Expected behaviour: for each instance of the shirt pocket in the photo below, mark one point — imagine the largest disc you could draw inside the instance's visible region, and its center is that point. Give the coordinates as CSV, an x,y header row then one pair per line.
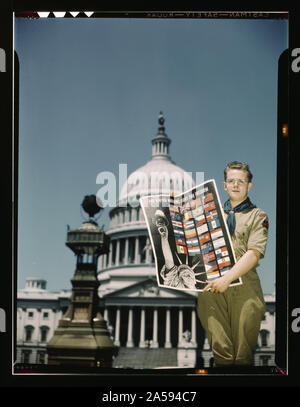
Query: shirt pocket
x,y
242,234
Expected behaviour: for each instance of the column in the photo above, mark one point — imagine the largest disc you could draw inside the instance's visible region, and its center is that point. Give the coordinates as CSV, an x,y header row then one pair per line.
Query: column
x,y
155,326
117,328
21,315
126,211
129,343
137,258
148,251
38,325
110,254
133,214
193,328
112,222
168,329
105,316
180,326
117,253
142,343
100,262
126,250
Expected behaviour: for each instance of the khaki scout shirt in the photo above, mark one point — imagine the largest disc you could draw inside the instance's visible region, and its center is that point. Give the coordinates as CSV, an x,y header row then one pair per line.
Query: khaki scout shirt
x,y
251,232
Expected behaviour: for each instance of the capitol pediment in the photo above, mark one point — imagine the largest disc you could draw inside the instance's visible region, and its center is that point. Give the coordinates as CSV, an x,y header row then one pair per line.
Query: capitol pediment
x,y
147,289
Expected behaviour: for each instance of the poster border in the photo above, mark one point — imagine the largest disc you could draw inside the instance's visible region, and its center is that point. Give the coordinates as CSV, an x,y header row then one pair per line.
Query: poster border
x,y
193,188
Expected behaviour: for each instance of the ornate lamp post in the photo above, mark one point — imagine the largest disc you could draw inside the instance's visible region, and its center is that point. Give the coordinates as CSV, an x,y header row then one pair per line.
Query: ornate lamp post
x,y
82,337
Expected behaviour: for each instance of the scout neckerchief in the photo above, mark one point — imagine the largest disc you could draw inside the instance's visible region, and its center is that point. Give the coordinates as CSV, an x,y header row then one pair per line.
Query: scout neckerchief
x,y
246,204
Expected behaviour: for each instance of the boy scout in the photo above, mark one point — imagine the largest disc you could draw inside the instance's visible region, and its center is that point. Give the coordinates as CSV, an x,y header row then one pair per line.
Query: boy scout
x,y
231,316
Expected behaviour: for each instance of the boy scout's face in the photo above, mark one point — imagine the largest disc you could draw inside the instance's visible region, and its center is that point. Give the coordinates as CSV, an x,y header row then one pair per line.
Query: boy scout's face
x,y
237,185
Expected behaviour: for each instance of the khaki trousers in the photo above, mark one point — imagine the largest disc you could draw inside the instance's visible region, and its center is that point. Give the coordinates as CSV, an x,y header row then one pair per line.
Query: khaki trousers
x,y
232,320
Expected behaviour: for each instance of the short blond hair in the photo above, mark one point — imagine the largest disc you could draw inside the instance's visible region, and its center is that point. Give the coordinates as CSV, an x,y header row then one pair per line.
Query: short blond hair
x,y
237,165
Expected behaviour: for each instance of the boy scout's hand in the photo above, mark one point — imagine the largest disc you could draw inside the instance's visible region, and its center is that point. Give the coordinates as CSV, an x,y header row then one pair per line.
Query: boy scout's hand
x,y
218,286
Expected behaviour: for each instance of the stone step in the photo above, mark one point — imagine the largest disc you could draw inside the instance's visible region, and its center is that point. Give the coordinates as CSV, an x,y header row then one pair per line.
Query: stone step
x,y
140,358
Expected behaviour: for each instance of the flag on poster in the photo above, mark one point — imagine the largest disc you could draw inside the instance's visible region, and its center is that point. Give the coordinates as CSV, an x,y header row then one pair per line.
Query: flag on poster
x,y
180,241
188,215
221,252
189,225
200,220
215,234
204,238
192,241
208,257
178,232
177,224
198,211
207,247
193,250
195,203
219,243
202,229
181,249
213,275
207,197
211,266
211,215
209,206
224,262
214,224
190,233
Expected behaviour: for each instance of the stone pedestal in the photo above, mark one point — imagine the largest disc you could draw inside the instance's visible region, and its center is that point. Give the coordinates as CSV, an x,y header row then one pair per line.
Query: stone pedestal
x,y
81,343
186,356
82,337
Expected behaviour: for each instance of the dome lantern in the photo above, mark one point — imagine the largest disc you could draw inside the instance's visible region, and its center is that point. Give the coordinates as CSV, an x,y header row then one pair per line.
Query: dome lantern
x,y
161,142
159,170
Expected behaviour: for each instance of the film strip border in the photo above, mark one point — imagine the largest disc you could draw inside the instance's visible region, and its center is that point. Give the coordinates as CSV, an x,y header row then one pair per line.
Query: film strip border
x,y
155,14
55,14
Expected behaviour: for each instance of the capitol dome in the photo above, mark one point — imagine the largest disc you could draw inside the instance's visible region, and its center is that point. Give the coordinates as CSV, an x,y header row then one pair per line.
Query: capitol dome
x,y
130,258
159,175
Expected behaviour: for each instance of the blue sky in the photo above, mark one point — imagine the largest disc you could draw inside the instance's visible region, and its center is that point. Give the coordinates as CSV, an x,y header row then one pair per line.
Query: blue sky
x,y
90,95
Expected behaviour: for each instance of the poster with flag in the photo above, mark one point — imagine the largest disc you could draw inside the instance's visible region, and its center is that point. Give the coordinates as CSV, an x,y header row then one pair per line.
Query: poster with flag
x,y
189,236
